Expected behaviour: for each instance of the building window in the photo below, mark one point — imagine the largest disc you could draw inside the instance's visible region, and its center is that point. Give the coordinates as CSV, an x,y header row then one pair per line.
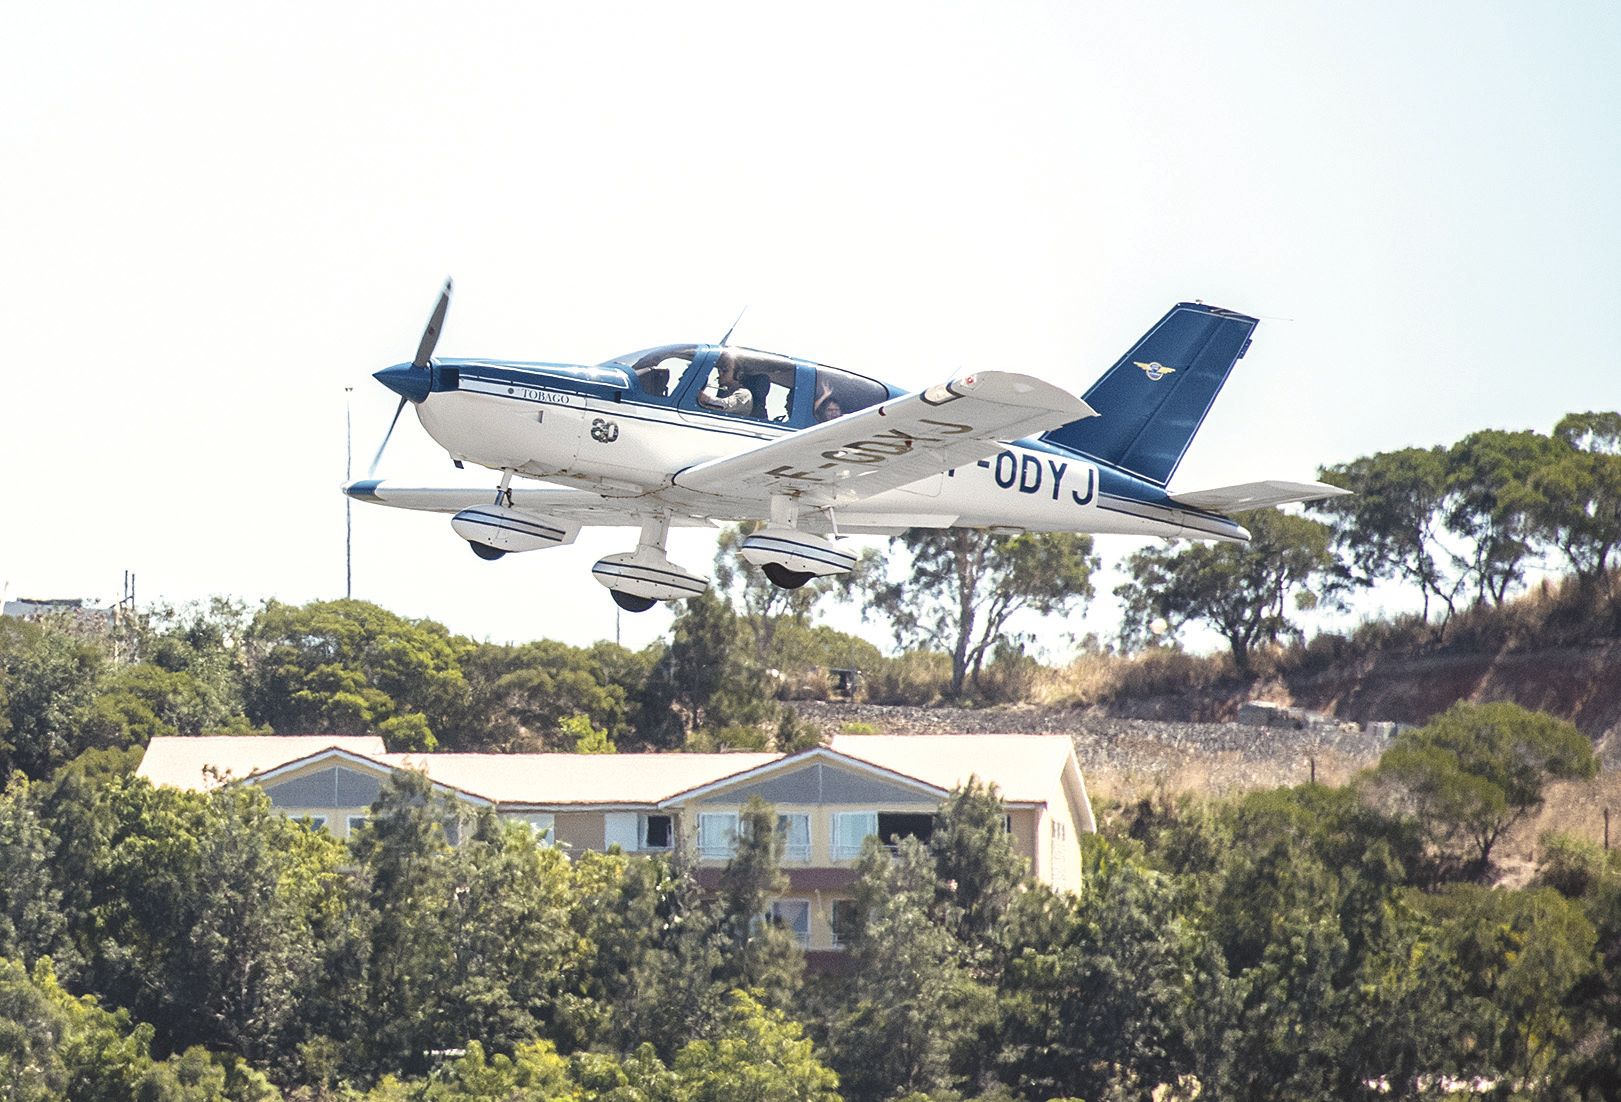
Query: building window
x,y
1007,824
796,837
893,826
850,830
542,824
717,834
355,823
657,832
843,922
1060,831
315,822
792,915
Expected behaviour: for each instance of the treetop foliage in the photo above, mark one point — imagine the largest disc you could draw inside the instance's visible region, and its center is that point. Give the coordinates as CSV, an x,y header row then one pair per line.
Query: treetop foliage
x,y
179,945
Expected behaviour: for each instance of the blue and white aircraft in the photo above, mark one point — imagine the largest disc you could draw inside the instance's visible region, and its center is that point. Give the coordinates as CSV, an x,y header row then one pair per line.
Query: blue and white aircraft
x,y
704,434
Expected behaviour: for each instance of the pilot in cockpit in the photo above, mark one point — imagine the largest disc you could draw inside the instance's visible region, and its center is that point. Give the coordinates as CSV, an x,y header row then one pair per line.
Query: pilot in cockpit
x,y
726,394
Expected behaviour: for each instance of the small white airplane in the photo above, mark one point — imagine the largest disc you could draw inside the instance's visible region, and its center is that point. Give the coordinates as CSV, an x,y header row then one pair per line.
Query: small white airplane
x,y
702,434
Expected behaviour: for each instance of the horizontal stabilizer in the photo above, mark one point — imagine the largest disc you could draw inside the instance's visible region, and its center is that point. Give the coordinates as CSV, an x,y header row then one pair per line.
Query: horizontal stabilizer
x,y
1255,495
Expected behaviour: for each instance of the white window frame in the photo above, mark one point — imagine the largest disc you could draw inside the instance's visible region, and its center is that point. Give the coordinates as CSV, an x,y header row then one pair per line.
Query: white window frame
x,y
717,846
622,829
353,823
317,822
844,850
797,852
641,836
774,912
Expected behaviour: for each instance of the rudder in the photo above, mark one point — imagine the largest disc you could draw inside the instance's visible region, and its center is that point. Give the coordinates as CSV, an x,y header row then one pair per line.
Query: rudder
x,y
1152,402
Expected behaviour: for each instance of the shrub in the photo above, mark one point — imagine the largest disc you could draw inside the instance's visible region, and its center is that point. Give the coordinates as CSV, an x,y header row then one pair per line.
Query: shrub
x,y
915,678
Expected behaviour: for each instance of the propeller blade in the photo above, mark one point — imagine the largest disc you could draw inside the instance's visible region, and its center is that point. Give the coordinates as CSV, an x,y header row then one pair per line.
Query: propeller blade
x,y
430,335
378,458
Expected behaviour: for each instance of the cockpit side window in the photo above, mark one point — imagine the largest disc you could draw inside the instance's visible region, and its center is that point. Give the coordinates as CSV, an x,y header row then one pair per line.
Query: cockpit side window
x,y
754,385
839,392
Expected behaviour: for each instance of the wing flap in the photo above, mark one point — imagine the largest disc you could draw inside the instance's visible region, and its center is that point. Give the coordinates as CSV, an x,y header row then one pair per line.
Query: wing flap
x,y
890,445
1255,495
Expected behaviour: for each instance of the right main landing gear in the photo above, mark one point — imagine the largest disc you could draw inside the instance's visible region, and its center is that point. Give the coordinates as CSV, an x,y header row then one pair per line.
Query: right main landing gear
x,y
641,578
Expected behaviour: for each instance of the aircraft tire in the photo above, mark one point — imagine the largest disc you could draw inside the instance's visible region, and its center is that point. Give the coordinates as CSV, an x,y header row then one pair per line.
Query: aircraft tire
x,y
783,578
485,551
632,603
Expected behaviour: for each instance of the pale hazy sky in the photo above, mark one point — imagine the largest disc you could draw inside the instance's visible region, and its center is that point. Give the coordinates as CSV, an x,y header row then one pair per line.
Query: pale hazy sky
x,y
213,218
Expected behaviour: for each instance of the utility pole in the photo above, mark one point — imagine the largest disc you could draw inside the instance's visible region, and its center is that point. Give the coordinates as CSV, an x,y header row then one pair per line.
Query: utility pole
x,y
348,502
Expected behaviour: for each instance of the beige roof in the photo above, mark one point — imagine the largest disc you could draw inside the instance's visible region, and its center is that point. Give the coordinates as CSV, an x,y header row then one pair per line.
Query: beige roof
x,y
206,761
1026,768
578,778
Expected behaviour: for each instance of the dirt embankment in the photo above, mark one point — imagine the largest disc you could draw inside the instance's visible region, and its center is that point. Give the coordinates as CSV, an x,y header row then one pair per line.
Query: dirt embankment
x,y
1124,756
1189,742
1581,684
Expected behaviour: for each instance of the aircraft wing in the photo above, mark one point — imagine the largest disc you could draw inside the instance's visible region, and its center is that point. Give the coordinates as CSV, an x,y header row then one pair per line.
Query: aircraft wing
x,y
890,445
570,508
1255,495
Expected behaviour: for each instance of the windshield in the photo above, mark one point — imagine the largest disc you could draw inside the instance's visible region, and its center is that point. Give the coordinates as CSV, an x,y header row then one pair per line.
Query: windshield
x,y
655,367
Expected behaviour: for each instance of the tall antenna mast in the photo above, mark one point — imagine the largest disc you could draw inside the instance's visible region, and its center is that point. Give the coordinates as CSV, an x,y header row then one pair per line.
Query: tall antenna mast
x,y
348,502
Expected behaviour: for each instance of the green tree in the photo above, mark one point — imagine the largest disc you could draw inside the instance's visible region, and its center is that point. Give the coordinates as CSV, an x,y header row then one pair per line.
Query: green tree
x,y
53,1046
507,950
48,682
709,680
1521,956
1120,986
756,1055
912,1007
1487,508
533,1073
977,866
1389,527
201,646
32,921
406,884
649,973
520,697
197,910
963,586
756,954
349,667
1572,499
1243,591
1477,769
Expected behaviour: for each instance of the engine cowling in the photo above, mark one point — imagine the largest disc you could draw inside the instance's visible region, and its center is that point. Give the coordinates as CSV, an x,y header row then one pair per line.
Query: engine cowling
x,y
646,574
796,552
502,529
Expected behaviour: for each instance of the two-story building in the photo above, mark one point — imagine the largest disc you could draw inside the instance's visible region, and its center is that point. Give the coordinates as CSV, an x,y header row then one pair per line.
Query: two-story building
x,y
828,800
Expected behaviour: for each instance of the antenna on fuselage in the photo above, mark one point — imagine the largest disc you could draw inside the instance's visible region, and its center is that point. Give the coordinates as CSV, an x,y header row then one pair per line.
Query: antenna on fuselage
x,y
727,338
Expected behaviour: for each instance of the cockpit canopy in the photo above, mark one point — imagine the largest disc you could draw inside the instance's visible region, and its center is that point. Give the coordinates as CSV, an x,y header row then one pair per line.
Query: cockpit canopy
x,y
782,390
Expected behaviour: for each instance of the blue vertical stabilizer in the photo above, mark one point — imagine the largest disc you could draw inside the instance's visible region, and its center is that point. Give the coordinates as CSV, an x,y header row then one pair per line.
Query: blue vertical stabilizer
x,y
1152,402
